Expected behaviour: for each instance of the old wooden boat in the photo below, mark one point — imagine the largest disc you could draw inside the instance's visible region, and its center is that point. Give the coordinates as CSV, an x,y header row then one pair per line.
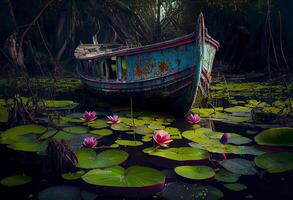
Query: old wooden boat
x,y
169,74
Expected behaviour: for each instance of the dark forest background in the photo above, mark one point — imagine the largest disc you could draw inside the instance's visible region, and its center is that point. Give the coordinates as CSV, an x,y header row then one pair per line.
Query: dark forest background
x,y
40,36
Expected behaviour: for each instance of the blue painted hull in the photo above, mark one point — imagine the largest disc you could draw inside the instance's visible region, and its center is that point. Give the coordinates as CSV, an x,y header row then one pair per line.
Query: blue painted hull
x,y
168,74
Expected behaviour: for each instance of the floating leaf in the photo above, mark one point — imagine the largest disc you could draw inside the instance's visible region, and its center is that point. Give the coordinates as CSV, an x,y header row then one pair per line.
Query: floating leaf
x,y
131,143
98,124
195,172
48,134
58,103
17,180
102,132
89,159
3,114
275,162
276,137
235,186
121,127
189,191
179,154
143,130
61,135
117,176
226,148
29,145
76,129
226,176
239,166
73,175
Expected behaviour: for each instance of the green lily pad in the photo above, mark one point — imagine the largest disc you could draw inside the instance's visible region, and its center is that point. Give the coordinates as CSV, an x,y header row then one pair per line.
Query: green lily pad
x,y
226,176
117,176
57,103
98,124
131,143
189,191
239,166
76,129
102,132
143,130
179,154
3,114
29,145
73,176
48,134
235,186
238,109
275,162
61,135
17,133
121,127
89,159
195,172
17,180
276,137
226,148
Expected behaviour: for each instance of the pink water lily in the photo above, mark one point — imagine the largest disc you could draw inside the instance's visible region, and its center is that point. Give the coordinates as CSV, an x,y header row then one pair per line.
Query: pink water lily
x,y
193,119
89,116
222,157
90,142
114,119
224,139
162,138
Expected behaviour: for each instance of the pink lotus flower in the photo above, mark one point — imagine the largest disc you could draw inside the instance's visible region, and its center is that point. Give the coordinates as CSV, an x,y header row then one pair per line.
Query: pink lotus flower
x,y
162,138
113,119
90,142
224,138
193,119
89,116
222,157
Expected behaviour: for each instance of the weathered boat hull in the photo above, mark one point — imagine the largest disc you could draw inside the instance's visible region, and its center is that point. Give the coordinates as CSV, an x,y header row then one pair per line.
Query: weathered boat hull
x,y
166,74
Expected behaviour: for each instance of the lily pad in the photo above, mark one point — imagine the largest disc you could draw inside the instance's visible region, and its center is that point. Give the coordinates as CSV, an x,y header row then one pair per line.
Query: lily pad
x,y
239,166
121,127
76,129
275,162
189,191
131,182
235,186
29,145
131,143
195,172
179,154
276,137
98,124
3,114
226,176
89,159
58,104
17,180
102,132
73,176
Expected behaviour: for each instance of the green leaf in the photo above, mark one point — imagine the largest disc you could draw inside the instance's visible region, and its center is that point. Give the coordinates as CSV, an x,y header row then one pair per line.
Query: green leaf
x,y
102,132
76,129
121,127
89,159
117,176
190,191
276,137
98,124
17,180
275,162
178,154
73,176
3,114
226,176
239,166
235,186
128,143
195,172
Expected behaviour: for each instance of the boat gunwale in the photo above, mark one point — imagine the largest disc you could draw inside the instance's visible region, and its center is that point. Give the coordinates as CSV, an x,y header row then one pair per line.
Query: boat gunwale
x,y
135,81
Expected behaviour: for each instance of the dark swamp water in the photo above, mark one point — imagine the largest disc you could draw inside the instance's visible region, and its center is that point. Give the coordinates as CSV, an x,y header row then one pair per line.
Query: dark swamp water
x,y
238,104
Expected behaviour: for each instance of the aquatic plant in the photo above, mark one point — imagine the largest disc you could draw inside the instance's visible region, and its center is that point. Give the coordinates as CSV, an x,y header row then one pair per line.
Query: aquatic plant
x,y
89,116
90,142
114,119
222,157
224,139
162,138
193,118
